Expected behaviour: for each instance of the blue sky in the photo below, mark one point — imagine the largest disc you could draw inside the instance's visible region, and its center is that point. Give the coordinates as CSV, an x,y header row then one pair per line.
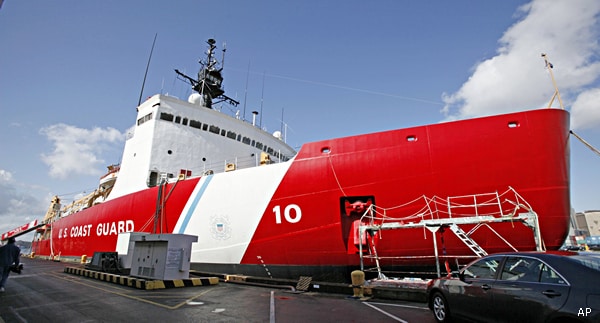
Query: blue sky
x,y
71,73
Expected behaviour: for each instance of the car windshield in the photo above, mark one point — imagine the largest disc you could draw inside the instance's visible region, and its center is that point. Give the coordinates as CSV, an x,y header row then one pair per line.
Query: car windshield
x,y
588,260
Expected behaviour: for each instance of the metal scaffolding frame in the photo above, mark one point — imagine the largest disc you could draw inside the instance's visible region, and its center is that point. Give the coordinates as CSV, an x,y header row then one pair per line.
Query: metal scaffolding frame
x,y
528,218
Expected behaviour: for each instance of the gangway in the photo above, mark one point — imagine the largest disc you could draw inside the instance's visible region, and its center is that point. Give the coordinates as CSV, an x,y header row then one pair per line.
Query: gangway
x,y
431,220
464,237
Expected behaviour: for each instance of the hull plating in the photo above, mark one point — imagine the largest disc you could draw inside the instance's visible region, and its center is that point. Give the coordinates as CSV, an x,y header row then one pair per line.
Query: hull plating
x,y
293,214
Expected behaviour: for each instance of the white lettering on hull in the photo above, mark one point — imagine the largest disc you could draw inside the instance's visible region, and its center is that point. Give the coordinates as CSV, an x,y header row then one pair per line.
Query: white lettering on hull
x,y
102,229
114,228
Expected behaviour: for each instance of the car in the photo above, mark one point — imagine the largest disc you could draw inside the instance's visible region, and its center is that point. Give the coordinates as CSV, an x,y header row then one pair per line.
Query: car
x,y
558,286
573,248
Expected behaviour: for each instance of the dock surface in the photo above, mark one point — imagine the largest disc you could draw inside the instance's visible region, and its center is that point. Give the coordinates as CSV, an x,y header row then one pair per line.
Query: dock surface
x,y
44,292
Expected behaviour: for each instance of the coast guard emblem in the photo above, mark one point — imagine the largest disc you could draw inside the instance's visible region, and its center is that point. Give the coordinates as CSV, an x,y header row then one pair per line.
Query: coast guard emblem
x,y
220,228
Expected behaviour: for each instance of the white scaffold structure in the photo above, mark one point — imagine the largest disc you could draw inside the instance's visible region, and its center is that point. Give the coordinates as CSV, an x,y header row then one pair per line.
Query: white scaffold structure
x,y
486,208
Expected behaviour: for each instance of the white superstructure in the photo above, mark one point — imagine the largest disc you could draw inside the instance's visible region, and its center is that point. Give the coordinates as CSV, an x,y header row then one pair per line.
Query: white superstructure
x,y
175,139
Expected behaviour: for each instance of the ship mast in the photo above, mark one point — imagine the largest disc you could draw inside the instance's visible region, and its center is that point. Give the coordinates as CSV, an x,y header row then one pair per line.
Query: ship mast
x,y
209,81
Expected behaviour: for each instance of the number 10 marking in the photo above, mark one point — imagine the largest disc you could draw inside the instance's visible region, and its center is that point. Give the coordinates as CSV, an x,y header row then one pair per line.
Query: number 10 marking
x,y
287,213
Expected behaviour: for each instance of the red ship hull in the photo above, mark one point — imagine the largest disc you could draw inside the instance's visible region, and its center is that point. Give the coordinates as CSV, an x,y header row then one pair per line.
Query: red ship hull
x,y
528,151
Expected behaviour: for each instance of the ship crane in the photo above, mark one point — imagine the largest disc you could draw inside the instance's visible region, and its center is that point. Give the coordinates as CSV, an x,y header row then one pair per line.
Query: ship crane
x,y
209,81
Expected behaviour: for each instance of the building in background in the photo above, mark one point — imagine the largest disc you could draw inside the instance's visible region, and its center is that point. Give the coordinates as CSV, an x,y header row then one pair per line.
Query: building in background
x,y
585,229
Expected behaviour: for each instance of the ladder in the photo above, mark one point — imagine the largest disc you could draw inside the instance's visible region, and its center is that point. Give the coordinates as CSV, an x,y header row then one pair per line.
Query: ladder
x,y
462,235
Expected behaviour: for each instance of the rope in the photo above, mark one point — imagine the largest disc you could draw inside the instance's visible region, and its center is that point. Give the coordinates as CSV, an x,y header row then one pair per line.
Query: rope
x,y
150,221
164,218
592,148
158,207
161,206
335,176
501,204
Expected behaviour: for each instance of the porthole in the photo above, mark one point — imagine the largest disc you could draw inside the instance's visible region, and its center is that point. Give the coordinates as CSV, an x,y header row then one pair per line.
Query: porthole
x,y
411,138
325,150
513,124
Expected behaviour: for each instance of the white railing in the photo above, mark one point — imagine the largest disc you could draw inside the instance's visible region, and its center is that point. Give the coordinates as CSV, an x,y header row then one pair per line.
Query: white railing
x,y
433,213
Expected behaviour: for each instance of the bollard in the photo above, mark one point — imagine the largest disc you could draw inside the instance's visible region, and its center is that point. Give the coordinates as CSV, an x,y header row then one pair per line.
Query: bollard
x,y
83,259
358,282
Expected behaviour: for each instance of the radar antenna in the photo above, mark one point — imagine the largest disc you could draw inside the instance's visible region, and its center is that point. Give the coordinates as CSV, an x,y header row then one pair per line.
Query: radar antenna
x,y
209,82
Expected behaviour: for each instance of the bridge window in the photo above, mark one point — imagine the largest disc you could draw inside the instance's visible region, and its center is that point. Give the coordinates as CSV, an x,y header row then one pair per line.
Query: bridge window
x,y
166,116
195,124
144,118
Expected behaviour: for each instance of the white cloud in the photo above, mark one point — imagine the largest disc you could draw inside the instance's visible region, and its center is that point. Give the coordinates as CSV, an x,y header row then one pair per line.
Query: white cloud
x,y
7,191
515,79
78,150
17,206
5,176
586,110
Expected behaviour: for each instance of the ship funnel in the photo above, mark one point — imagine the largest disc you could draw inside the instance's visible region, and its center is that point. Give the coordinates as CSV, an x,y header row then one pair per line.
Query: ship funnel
x,y
254,114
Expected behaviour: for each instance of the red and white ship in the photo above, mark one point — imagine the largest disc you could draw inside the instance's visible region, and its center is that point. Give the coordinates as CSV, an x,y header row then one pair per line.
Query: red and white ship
x,y
375,200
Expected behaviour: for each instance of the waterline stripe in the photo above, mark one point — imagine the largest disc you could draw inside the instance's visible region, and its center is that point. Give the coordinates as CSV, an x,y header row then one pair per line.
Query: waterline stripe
x,y
192,208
